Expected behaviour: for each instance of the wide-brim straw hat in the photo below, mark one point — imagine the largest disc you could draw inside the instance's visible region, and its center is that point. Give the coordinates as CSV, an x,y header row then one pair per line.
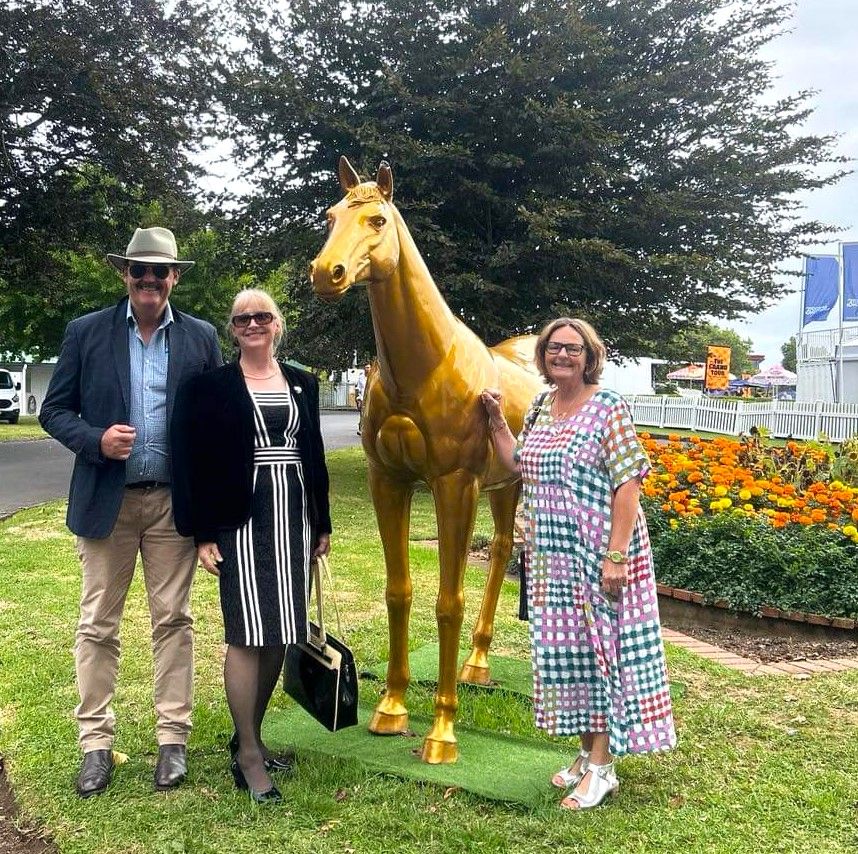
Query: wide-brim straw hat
x,y
150,246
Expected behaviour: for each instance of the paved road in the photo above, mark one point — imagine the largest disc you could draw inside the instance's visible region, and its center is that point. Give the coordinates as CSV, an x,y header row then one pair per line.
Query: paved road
x,y
38,471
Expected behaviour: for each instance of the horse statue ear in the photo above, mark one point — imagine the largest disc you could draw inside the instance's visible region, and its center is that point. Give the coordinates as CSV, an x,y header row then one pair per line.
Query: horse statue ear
x,y
348,177
384,180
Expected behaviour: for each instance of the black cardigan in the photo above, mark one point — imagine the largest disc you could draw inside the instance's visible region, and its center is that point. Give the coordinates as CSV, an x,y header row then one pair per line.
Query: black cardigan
x,y
212,452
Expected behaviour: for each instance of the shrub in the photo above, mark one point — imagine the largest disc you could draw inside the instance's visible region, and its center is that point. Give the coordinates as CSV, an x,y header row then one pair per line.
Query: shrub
x,y
749,563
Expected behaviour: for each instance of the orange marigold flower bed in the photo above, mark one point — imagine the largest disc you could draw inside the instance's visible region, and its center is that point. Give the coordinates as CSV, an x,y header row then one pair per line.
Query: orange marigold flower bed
x,y
781,486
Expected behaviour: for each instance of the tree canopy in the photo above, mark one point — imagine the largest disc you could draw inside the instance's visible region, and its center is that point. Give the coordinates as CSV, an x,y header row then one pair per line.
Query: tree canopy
x,y
616,161
788,350
98,102
611,160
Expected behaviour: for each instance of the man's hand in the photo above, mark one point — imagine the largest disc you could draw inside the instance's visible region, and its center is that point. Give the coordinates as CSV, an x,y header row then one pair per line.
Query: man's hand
x,y
117,441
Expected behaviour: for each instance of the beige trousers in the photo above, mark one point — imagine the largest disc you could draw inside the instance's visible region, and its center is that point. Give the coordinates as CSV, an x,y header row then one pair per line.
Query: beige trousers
x,y
145,525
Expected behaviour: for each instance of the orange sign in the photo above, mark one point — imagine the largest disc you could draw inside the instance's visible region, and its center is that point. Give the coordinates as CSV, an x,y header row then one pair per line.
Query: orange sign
x,y
717,367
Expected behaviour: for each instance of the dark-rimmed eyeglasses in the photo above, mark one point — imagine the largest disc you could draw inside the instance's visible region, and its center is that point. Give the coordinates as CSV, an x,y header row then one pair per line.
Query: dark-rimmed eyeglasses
x,y
262,318
555,347
159,271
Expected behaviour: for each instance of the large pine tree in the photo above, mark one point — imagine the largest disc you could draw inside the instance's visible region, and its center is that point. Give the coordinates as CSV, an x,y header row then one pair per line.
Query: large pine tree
x,y
616,160
100,107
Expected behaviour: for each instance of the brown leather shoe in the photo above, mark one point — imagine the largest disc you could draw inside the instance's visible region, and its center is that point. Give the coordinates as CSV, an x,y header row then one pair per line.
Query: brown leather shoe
x,y
172,766
95,773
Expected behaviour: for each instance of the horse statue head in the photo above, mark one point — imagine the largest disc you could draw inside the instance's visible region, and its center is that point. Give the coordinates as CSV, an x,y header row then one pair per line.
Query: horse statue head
x,y
362,245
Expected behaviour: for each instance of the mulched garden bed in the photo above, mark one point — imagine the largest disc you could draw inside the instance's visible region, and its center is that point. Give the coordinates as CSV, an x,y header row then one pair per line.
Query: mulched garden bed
x,y
769,649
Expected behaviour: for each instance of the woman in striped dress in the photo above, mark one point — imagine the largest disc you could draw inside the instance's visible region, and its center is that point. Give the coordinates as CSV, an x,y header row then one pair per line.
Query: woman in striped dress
x,y
253,491
598,660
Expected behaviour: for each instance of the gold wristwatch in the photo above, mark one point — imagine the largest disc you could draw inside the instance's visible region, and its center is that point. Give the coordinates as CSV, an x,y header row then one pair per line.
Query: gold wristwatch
x,y
616,556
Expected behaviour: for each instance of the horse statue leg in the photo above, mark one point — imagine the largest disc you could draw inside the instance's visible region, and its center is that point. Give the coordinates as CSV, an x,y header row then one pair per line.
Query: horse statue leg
x,y
392,501
456,497
503,503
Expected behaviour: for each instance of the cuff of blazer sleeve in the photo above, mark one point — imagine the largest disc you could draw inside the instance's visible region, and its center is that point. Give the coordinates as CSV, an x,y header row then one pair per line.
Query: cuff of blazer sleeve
x,y
92,446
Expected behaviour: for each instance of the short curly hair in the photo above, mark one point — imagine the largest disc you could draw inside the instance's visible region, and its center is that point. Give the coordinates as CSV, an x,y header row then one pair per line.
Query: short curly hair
x,y
596,352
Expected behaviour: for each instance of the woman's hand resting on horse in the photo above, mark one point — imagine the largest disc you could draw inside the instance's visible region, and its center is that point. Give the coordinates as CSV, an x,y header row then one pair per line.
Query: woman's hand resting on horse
x,y
491,400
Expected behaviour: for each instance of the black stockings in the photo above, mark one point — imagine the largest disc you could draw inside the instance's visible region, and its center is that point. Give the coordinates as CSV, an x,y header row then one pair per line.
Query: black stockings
x,y
250,675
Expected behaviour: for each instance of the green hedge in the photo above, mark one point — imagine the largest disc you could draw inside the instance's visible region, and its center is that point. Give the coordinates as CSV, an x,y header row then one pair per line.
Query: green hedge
x,y
750,564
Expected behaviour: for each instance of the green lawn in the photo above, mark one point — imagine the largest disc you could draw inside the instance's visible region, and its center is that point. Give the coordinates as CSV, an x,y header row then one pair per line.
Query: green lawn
x,y
26,428
765,765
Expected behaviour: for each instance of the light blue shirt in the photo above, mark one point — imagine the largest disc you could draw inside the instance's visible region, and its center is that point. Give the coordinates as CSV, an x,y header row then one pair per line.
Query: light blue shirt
x,y
150,456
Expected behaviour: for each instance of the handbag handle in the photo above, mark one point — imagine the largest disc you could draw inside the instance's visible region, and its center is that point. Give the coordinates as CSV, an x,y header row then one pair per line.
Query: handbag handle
x,y
317,580
320,565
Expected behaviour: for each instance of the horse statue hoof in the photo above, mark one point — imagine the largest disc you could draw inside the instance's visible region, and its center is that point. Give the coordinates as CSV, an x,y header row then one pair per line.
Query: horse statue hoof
x,y
383,723
436,752
475,671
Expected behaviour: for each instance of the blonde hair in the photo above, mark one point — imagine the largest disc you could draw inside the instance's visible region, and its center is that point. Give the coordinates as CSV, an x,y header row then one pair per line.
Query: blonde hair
x,y
595,347
254,296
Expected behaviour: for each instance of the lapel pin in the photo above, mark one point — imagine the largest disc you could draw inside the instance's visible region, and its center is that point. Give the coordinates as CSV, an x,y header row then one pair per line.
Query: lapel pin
x,y
297,389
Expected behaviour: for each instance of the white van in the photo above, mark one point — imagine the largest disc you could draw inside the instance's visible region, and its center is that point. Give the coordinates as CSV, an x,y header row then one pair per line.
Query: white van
x,y
10,398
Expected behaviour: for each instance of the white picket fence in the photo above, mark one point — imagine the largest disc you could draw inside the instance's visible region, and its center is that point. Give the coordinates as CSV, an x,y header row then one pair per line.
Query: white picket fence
x,y
784,419
336,395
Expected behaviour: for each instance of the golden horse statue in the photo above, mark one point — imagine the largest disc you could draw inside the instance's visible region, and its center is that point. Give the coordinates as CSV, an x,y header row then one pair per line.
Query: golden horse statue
x,y
423,420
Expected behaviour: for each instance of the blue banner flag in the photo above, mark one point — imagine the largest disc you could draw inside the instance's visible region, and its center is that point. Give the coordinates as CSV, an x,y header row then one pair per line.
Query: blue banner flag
x,y
850,281
821,286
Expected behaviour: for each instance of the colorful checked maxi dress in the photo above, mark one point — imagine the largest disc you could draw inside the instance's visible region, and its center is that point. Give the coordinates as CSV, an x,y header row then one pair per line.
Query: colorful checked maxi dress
x,y
598,665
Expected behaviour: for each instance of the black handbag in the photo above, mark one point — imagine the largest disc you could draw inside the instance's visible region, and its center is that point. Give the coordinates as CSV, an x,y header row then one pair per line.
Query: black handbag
x,y
320,674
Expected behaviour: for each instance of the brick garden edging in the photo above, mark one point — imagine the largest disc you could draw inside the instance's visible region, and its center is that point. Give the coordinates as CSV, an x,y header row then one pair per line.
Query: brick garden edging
x,y
798,669
775,613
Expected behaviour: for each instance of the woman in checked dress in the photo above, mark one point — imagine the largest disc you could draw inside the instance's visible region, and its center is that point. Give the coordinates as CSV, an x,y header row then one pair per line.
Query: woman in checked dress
x,y
252,489
598,660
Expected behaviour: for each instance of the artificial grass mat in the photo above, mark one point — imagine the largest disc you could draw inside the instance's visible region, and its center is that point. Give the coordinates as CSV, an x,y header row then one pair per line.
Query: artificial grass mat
x,y
491,764
508,674
496,766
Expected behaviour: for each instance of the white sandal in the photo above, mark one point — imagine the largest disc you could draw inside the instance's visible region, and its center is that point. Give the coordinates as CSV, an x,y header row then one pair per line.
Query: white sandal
x,y
566,778
603,784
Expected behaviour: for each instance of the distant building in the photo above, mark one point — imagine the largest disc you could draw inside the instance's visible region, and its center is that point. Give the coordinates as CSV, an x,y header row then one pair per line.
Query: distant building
x,y
630,376
827,365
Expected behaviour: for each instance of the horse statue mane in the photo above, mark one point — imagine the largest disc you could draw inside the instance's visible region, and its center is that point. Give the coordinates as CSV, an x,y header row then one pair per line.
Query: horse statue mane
x,y
423,421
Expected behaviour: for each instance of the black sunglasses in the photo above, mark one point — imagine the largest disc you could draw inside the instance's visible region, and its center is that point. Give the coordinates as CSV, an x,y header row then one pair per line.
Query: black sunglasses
x,y
262,318
159,271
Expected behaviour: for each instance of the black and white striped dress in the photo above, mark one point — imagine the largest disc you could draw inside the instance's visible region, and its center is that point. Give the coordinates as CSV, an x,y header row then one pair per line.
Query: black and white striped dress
x,y
263,576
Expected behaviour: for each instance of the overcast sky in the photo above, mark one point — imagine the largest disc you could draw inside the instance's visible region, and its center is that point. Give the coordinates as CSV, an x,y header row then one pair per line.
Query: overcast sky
x,y
820,53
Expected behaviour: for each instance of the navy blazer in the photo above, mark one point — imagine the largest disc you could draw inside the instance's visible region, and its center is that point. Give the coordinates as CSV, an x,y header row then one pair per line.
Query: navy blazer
x,y
212,441
90,391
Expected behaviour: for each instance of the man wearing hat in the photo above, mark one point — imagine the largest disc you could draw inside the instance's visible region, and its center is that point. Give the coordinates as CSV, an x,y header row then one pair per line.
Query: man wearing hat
x,y
110,401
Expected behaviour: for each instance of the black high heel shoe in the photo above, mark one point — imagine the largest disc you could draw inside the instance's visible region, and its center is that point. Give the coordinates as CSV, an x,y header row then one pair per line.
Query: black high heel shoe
x,y
270,796
285,763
